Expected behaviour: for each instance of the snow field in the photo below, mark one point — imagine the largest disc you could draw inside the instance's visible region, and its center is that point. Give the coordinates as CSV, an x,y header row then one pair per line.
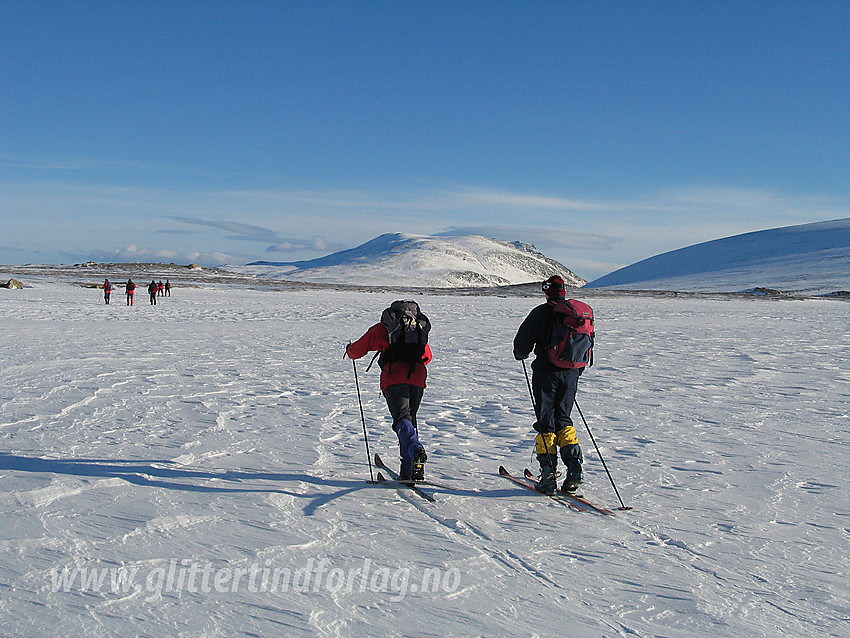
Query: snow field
x,y
212,448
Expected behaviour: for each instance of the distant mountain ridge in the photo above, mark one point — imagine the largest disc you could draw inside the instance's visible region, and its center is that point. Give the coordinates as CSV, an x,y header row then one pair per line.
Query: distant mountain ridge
x,y
808,258
423,261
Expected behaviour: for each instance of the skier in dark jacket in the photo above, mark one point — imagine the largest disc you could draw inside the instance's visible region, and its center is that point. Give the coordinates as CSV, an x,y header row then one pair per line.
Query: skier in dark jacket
x,y
403,385
554,391
107,290
152,288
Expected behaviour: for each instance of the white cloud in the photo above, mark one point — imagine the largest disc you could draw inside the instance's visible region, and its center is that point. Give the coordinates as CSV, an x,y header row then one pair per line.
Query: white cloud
x,y
320,244
134,253
503,199
284,247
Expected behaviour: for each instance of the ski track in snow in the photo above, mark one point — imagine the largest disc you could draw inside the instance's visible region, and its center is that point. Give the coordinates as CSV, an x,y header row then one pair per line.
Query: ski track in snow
x,y
222,428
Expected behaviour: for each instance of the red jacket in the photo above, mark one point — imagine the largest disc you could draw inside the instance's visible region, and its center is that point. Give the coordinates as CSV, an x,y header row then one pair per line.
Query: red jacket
x,y
377,339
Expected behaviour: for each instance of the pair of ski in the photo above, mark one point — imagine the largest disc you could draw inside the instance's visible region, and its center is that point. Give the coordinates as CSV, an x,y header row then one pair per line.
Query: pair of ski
x,y
395,479
573,501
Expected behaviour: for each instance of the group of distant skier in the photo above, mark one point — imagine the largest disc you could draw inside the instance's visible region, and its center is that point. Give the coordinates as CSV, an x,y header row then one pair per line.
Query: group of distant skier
x,y
560,332
155,289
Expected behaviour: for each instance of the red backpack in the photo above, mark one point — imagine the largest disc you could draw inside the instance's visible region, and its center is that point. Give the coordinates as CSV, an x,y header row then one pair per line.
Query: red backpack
x,y
571,340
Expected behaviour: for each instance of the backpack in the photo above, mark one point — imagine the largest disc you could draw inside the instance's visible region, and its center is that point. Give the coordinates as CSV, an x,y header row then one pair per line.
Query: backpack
x,y
408,332
571,339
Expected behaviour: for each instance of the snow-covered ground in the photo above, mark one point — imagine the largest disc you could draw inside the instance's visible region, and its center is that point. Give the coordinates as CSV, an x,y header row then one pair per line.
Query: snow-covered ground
x,y
198,469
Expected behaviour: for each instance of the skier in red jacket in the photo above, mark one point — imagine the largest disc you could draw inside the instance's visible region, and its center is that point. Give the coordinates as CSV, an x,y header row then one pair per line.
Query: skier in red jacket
x,y
403,385
130,289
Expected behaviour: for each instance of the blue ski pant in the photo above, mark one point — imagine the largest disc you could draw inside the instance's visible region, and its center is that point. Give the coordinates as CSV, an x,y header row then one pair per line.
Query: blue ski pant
x,y
554,391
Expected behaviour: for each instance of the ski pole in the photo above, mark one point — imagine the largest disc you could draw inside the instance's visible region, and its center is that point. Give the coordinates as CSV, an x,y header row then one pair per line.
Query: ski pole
x,y
601,458
362,417
528,383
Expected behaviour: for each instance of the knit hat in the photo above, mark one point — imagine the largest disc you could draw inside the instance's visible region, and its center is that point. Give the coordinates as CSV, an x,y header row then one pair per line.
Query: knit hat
x,y
554,286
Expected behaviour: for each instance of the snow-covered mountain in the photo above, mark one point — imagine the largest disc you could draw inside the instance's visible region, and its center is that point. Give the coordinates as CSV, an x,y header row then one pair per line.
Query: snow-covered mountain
x,y
809,258
423,261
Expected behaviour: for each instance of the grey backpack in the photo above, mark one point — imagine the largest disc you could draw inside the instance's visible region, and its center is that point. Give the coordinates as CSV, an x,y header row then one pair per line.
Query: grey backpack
x,y
408,330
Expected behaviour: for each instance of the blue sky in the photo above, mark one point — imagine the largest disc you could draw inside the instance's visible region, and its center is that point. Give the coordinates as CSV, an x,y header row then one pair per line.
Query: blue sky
x,y
602,132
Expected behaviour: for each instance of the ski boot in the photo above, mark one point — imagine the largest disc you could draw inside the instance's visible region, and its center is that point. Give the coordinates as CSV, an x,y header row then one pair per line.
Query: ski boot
x,y
571,485
572,458
410,450
417,472
548,483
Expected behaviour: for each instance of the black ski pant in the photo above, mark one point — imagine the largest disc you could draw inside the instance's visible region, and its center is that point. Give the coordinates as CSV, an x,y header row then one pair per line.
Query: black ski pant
x,y
403,400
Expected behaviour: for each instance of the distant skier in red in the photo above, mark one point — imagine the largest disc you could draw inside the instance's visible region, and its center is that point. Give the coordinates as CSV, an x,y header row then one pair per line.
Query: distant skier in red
x,y
131,289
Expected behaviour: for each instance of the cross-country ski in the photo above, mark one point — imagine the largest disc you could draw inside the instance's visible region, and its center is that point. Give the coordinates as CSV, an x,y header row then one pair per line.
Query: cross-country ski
x,y
572,497
395,480
578,504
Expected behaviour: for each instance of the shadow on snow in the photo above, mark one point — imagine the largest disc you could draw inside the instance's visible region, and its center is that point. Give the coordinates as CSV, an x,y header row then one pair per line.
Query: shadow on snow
x,y
163,473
